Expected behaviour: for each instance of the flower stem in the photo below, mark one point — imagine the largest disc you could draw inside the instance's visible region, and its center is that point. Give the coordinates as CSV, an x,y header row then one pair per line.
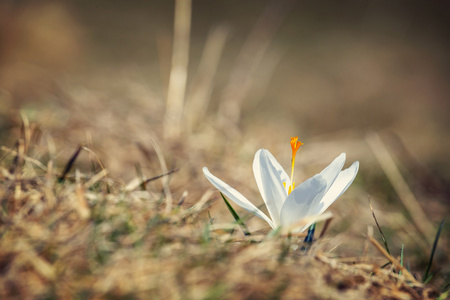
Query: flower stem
x,y
310,236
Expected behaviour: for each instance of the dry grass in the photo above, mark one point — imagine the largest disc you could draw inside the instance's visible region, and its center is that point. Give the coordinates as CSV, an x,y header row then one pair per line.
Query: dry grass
x,y
69,239
69,234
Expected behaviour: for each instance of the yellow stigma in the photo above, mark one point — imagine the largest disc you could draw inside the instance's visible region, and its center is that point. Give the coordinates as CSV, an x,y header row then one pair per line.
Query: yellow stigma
x,y
295,145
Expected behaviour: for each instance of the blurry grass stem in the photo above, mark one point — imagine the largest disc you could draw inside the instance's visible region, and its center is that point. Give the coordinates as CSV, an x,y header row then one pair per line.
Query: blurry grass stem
x,y
70,163
92,155
162,175
178,73
26,158
427,277
325,227
166,179
379,228
18,164
26,131
35,162
401,187
250,58
401,258
94,179
202,86
73,158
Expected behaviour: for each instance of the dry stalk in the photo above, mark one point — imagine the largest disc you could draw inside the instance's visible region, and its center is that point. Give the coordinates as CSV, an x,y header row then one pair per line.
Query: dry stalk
x,y
405,194
26,158
165,179
394,261
94,179
199,206
26,131
252,54
93,154
28,256
200,94
178,74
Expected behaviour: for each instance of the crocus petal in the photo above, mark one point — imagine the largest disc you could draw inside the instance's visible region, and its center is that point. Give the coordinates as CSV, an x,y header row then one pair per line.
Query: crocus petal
x,y
298,203
236,197
340,185
329,175
331,172
269,182
284,177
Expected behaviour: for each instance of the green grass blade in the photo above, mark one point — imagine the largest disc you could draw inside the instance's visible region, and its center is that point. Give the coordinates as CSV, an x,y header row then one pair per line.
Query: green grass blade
x,y
425,276
401,258
236,216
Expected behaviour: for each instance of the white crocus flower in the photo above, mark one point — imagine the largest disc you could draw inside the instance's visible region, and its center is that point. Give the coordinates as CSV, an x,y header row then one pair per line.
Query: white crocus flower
x,y
287,204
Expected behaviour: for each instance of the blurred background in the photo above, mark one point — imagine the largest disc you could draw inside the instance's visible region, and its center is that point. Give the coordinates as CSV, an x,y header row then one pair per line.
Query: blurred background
x,y
258,72
322,67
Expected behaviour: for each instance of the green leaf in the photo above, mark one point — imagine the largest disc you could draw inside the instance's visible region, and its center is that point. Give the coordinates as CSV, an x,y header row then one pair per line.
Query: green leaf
x,y
236,216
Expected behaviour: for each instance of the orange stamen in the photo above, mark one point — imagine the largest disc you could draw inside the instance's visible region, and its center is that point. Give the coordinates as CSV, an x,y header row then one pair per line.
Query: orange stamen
x,y
295,145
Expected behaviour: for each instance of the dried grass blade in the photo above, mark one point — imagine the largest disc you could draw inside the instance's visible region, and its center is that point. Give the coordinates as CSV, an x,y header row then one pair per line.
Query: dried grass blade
x,y
166,188
95,178
379,228
199,206
162,175
26,131
26,158
29,256
140,175
95,156
366,243
16,167
401,187
255,48
392,260
183,198
178,74
325,227
198,98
